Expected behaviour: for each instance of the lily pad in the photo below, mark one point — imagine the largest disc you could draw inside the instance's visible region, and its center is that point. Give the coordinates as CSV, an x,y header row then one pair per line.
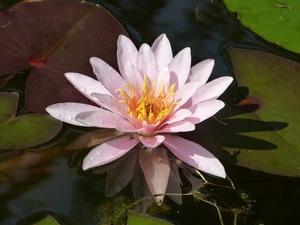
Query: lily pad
x,y
137,219
276,21
24,131
273,84
49,36
41,218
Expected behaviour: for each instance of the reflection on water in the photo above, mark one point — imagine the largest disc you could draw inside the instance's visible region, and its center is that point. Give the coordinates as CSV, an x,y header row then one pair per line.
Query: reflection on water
x,y
44,180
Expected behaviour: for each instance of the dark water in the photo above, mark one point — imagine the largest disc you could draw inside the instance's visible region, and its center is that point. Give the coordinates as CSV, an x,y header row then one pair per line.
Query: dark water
x,y
58,185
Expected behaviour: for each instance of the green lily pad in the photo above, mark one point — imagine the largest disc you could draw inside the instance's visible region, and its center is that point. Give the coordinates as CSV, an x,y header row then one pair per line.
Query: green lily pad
x,y
41,218
24,131
276,21
48,220
136,219
273,84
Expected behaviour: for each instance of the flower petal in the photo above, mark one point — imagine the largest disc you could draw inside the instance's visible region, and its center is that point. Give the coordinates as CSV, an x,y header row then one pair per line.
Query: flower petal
x,y
152,141
109,151
100,118
156,168
180,67
133,77
211,90
86,85
179,115
108,102
181,126
107,75
202,70
67,112
126,52
185,93
204,110
194,155
146,62
162,50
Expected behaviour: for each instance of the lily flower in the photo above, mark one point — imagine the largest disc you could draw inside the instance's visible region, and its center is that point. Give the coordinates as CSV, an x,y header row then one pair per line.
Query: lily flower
x,y
153,97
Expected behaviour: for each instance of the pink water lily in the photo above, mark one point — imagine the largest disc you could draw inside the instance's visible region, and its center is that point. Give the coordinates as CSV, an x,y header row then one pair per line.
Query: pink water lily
x,y
154,96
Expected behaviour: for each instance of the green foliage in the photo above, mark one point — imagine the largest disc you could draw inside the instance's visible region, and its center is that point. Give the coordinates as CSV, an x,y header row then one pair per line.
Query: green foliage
x,y
273,84
137,219
276,21
24,131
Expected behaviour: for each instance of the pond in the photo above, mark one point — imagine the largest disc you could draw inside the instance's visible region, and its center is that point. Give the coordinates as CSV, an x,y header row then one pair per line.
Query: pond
x,y
254,135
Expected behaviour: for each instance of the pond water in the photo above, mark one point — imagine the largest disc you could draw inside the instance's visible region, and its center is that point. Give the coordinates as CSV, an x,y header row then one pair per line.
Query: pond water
x,y
51,180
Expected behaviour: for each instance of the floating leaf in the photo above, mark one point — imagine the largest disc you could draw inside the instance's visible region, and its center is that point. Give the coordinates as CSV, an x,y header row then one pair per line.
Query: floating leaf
x,y
273,84
53,37
40,218
24,131
276,21
137,219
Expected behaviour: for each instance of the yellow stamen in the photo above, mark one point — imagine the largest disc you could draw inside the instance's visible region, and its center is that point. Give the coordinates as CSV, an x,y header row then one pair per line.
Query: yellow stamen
x,y
149,107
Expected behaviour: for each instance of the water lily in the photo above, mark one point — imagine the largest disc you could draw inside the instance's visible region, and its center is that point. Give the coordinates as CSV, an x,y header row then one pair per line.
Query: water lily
x,y
154,97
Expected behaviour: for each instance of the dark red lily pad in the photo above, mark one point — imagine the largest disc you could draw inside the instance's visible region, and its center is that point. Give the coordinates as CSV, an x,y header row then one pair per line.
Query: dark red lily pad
x,y
24,131
53,37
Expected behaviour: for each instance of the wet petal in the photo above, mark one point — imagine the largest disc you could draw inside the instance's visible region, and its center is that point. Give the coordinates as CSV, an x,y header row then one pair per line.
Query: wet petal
x,y
194,155
211,90
162,51
156,168
146,62
180,67
109,151
152,141
100,118
67,112
107,75
202,70
86,85
204,110
126,52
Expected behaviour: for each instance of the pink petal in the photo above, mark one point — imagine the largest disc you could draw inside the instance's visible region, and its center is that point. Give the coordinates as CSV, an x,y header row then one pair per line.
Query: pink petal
x,y
156,168
181,126
194,155
179,115
133,77
185,93
101,118
180,67
107,75
67,112
202,71
146,62
162,51
86,85
204,110
109,151
163,79
152,141
211,90
126,52
108,102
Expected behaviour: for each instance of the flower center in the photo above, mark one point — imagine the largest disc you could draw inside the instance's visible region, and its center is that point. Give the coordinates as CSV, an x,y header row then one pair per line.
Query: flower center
x,y
152,107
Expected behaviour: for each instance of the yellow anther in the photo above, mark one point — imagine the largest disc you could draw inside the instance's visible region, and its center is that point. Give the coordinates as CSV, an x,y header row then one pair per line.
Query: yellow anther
x,y
149,108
